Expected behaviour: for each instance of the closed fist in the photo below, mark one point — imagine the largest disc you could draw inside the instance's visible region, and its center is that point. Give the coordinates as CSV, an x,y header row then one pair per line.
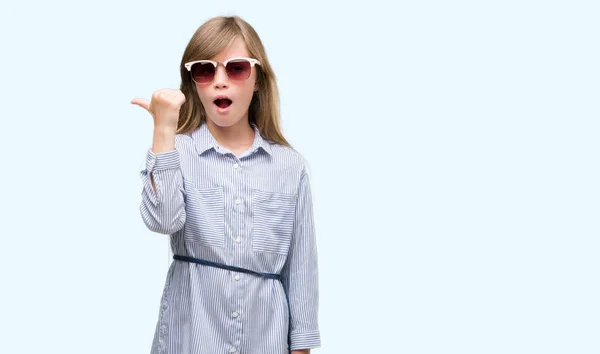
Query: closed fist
x,y
164,107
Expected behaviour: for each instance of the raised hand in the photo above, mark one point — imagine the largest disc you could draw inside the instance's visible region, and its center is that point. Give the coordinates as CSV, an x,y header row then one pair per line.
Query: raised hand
x,y
164,108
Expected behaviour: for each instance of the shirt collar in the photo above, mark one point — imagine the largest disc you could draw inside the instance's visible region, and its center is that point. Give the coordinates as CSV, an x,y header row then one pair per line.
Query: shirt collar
x,y
204,140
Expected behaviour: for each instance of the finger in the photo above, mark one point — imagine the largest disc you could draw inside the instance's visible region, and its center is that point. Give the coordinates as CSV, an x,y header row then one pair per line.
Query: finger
x,y
171,95
145,104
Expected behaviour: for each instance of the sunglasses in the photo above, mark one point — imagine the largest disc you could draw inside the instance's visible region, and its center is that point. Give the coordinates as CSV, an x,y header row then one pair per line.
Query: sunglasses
x,y
203,71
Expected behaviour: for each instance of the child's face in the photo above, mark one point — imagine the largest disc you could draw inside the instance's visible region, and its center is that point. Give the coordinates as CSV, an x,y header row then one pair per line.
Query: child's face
x,y
219,111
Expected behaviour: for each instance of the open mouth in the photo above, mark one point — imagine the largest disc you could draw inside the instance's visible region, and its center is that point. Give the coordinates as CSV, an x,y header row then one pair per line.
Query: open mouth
x,y
223,102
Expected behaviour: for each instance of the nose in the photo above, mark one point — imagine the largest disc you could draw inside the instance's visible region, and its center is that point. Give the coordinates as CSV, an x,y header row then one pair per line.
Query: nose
x,y
221,78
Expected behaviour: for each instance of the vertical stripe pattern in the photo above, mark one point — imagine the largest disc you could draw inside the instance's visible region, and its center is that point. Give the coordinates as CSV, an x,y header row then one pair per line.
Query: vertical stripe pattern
x,y
254,212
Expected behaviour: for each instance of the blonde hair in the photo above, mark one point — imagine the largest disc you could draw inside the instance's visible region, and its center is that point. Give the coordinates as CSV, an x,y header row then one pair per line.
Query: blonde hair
x,y
211,38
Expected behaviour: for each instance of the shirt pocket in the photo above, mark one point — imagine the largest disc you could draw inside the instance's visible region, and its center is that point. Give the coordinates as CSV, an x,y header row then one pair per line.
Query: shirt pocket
x,y
205,215
273,221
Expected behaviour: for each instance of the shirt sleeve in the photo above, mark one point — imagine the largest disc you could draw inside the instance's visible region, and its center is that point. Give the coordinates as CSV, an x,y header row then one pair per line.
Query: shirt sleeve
x,y
164,211
300,274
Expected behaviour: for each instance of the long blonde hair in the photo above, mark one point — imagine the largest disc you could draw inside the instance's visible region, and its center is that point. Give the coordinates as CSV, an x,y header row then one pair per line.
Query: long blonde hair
x,y
212,37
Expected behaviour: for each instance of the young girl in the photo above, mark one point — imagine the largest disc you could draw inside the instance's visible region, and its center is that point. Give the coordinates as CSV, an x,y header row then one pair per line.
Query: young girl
x,y
235,198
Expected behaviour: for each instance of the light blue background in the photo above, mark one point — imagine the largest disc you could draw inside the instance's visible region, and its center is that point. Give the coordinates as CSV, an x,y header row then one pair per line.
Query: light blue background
x,y
453,149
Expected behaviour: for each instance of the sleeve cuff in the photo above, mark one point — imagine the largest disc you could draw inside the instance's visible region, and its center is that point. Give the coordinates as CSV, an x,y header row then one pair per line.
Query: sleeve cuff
x,y
306,340
162,161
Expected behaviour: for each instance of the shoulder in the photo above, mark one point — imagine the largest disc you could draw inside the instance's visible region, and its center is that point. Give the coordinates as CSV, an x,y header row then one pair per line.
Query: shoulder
x,y
183,138
184,142
290,157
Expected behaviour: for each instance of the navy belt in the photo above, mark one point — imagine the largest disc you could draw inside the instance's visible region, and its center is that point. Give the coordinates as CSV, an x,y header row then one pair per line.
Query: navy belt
x,y
242,270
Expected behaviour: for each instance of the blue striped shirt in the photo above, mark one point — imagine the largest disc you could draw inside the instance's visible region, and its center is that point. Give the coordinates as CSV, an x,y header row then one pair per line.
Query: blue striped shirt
x,y
253,211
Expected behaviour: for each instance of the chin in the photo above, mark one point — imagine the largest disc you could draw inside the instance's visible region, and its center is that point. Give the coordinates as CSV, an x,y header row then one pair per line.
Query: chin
x,y
224,121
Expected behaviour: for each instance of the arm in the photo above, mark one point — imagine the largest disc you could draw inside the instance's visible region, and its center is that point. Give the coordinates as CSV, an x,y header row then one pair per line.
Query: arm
x,y
300,276
162,207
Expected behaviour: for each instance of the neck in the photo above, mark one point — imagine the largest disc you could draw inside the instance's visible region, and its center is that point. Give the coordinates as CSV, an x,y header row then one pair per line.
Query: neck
x,y
239,135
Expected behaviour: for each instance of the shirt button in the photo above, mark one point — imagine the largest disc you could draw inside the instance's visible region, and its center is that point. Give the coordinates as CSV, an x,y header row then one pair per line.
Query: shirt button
x,y
232,350
238,239
237,277
235,314
238,201
236,166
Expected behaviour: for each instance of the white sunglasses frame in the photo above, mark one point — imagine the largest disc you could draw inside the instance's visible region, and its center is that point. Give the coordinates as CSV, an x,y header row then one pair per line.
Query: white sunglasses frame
x,y
189,64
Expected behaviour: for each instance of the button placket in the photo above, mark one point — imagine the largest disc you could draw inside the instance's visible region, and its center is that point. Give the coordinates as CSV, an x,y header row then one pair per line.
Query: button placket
x,y
239,207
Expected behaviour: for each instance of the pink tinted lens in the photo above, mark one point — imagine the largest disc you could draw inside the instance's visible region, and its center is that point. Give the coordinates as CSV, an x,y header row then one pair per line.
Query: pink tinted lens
x,y
203,72
238,69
